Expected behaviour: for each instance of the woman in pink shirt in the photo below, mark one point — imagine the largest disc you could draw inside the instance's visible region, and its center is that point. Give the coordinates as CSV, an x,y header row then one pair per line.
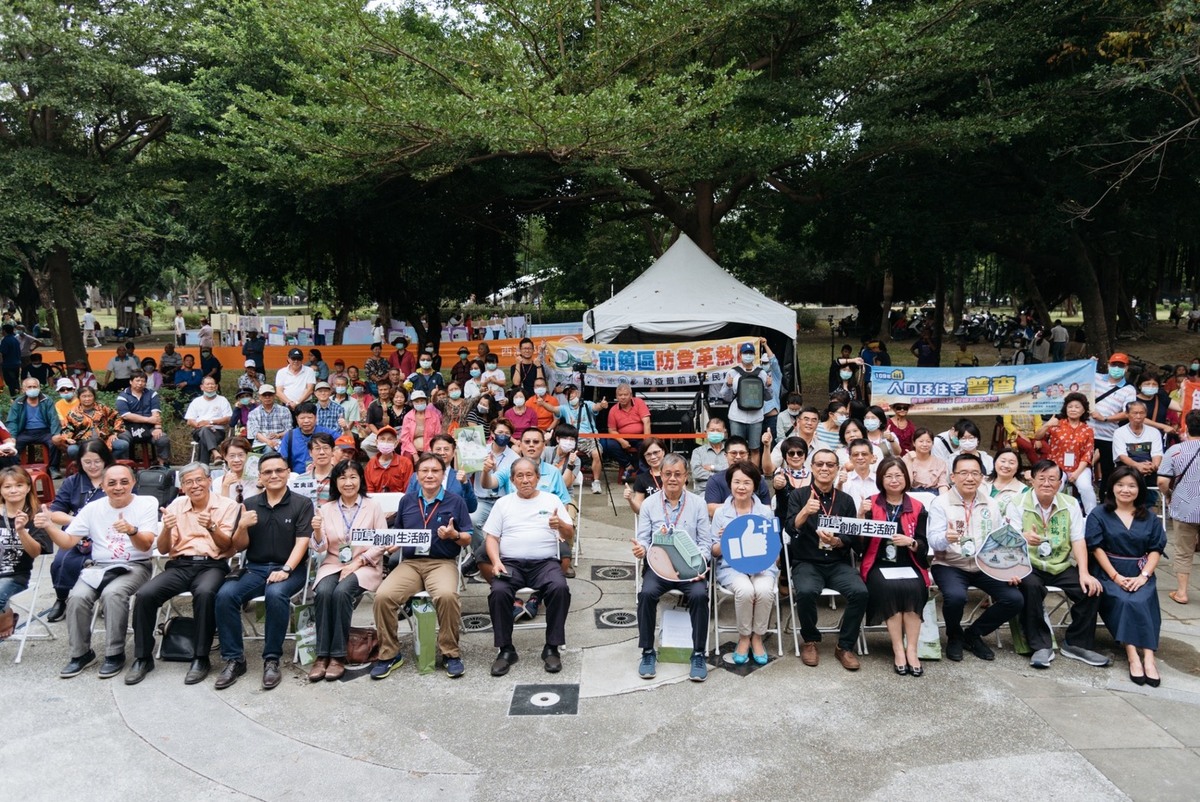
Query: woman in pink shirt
x,y
419,425
521,415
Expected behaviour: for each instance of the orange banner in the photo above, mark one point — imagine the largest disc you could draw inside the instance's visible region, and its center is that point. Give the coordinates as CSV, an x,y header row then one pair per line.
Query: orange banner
x,y
1189,396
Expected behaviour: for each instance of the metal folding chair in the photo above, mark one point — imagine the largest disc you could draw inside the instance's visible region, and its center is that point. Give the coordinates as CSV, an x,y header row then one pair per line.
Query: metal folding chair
x,y
31,617
718,594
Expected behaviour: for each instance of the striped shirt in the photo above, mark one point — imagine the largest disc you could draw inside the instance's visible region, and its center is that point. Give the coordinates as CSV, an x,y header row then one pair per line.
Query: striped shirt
x,y
1185,501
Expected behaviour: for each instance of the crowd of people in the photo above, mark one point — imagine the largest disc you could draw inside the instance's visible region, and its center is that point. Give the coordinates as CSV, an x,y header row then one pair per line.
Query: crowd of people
x,y
287,473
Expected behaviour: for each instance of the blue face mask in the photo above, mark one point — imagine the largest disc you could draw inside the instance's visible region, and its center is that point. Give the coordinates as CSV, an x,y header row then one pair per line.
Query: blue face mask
x,y
33,393
476,373
716,437
1116,373
210,393
503,440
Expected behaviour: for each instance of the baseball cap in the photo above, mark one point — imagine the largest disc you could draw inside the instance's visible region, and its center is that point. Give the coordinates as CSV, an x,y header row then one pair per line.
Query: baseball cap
x,y
295,353
244,391
346,441
415,394
322,386
250,363
1119,358
385,430
747,348
64,384
263,389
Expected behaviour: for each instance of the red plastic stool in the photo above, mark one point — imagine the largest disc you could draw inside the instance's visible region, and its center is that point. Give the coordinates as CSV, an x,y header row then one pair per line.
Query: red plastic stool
x,y
43,485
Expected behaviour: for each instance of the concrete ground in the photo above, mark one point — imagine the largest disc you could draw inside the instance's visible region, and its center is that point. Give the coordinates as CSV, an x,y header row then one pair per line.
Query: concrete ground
x,y
967,730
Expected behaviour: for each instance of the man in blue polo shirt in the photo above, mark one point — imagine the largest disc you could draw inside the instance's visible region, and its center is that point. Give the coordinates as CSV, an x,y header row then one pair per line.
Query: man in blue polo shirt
x,y
141,409
294,446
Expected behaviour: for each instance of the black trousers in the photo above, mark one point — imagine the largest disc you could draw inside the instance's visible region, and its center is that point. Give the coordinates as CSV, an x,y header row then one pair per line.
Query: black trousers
x,y
203,578
1084,609
653,588
544,576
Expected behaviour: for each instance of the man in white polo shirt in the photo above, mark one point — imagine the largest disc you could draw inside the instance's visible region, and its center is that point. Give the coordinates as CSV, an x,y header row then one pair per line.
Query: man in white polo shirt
x,y
208,415
523,531
295,383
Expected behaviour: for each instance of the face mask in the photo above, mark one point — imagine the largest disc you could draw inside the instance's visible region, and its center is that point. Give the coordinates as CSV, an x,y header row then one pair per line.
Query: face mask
x,y
518,402
840,419
716,437
871,424
1116,373
426,363
954,441
845,374
66,396
210,393
539,391
386,448
340,390
34,393
244,402
503,440
1149,389
455,394
575,403
420,406
566,445
476,373
491,365
462,357
747,359
1195,366
968,443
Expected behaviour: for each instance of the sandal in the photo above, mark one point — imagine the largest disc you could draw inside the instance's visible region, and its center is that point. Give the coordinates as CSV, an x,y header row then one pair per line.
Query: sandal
x,y
1175,598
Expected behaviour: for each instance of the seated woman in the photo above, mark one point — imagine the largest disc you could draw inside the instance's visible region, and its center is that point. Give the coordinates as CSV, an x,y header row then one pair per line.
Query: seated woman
x,y
928,473
520,414
154,378
1127,540
78,490
793,473
1070,442
18,505
419,425
453,406
90,420
320,469
346,571
753,594
835,415
649,480
968,443
235,481
1003,484
851,430
897,602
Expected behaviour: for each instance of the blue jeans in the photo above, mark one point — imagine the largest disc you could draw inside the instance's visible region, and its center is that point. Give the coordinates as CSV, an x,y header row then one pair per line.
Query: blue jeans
x,y
253,582
9,587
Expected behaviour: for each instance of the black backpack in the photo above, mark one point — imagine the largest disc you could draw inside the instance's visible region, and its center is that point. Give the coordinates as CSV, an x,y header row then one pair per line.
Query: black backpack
x,y
751,390
158,482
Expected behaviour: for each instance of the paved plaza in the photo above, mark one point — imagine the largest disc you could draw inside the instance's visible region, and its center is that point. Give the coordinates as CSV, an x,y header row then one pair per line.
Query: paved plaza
x,y
970,730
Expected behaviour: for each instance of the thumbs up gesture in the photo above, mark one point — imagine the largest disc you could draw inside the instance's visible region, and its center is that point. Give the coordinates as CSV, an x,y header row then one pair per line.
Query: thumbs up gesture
x,y
168,518
42,519
122,525
448,532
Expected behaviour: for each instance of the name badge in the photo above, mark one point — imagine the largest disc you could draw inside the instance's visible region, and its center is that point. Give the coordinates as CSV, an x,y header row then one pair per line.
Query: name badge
x,y
1069,459
345,553
1044,549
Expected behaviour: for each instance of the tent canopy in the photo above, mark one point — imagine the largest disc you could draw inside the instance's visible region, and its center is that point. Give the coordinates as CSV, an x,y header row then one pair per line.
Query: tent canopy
x,y
685,295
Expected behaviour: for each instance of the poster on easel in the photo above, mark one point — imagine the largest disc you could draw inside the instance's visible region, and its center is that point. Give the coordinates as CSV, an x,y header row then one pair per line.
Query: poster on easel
x,y
275,327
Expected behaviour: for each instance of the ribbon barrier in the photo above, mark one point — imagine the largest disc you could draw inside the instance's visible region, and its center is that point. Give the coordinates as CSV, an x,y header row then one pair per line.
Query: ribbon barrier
x,y
1000,390
658,365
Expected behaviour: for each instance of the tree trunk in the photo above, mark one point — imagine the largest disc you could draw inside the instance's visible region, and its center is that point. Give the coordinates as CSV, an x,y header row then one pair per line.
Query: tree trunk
x,y
957,298
1092,301
939,310
1035,293
27,300
385,314
62,290
889,289
340,321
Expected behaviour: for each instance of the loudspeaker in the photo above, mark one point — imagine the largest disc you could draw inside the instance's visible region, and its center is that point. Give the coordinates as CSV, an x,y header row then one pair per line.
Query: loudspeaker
x,y
672,421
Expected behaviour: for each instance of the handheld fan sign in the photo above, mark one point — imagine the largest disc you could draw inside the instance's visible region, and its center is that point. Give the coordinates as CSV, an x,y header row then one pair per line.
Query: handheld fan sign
x,y
674,555
1004,555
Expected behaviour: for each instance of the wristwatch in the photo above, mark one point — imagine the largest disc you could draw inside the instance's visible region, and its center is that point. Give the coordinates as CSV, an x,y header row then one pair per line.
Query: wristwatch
x,y
287,569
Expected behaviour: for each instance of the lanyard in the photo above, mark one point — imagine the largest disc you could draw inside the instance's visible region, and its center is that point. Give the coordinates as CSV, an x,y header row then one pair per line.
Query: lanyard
x,y
667,516
893,515
968,511
1046,516
349,522
826,511
432,512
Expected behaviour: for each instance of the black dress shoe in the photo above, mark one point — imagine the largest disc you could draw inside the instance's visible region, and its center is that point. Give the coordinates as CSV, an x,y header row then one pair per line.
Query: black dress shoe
x,y
57,612
975,645
77,664
138,671
197,671
954,650
112,666
504,659
271,675
229,674
551,659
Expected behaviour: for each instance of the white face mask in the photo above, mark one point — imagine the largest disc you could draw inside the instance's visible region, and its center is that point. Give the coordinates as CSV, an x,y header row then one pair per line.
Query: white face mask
x,y
968,443
566,445
386,448
539,391
747,359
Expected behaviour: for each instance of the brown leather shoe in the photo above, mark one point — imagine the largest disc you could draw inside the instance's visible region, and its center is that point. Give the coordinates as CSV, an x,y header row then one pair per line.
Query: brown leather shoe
x,y
318,670
848,659
336,669
809,653
271,674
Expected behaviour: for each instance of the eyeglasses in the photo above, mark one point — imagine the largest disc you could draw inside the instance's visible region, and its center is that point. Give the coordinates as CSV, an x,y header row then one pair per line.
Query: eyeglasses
x,y
795,453
969,474
824,464
273,471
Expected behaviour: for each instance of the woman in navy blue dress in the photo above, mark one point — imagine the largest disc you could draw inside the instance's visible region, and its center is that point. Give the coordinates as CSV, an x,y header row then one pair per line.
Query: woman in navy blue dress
x,y
1127,540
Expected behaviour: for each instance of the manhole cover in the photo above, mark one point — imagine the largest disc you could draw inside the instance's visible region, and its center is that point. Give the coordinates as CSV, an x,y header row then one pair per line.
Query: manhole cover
x,y
615,619
544,700
476,622
612,572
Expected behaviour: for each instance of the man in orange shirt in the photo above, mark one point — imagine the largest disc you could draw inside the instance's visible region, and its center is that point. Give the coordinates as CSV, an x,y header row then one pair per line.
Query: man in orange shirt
x,y
545,406
387,471
629,416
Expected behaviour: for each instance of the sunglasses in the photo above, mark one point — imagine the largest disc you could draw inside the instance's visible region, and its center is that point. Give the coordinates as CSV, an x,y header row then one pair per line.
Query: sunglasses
x,y
796,453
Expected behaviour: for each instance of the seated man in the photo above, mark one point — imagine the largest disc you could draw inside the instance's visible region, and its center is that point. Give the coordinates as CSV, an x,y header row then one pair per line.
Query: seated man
x,y
269,421
141,409
387,471
959,523
208,415
821,559
33,419
442,512
710,457
275,531
197,528
294,446
629,416
121,528
90,420
716,491
524,531
673,509
1053,527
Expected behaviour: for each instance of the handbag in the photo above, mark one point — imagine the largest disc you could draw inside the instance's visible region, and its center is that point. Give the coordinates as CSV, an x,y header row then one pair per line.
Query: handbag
x,y
179,636
362,645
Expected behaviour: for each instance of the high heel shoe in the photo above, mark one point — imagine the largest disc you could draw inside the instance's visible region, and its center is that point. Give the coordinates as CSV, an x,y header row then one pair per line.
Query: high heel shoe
x,y
901,670
916,671
1136,680
1153,682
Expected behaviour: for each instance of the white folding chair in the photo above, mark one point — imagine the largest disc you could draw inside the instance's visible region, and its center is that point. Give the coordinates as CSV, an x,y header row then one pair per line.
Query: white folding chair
x,y
677,594
826,593
30,616
310,562
718,594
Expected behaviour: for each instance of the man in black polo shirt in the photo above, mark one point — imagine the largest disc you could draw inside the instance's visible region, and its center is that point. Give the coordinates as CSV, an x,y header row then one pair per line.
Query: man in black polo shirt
x,y
275,531
821,559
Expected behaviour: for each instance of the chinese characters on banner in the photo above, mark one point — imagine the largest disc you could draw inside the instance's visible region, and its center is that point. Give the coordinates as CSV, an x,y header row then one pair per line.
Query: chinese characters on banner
x,y
389,538
659,365
1000,390
1189,396
856,527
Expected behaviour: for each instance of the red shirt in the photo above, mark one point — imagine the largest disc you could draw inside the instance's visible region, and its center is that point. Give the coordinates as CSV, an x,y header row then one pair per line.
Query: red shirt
x,y
1067,439
405,361
392,479
628,421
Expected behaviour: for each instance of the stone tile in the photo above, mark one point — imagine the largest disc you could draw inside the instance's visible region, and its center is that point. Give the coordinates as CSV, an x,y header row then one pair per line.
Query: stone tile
x,y
1090,723
1181,721
1150,775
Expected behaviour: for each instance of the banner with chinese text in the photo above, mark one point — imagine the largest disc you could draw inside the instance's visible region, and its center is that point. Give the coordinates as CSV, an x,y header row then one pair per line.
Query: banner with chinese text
x,y
655,365
1000,390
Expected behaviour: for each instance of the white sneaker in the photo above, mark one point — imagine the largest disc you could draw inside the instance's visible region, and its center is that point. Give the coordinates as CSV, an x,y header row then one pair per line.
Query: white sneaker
x,y
596,487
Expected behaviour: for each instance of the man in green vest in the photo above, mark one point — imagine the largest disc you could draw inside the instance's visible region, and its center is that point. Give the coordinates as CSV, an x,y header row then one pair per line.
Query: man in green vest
x,y
1052,524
